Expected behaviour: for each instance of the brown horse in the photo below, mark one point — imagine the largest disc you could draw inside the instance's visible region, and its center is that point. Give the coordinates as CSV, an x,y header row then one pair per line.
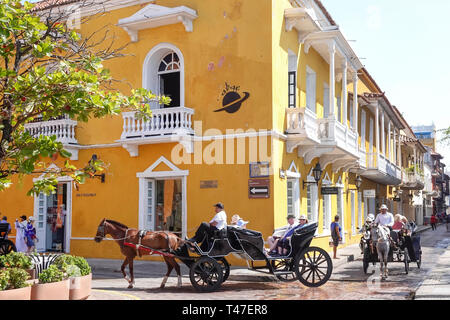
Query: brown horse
x,y
154,240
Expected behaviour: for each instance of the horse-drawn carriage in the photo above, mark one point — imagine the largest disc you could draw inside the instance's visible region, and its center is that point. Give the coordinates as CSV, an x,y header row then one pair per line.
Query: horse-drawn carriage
x,y
208,266
401,246
6,246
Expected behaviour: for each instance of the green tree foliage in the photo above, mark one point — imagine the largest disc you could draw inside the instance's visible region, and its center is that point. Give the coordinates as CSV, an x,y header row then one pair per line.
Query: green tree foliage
x,y
48,71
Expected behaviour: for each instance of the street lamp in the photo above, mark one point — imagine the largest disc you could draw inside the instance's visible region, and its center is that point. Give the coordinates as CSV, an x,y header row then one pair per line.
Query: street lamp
x,y
100,176
317,173
358,183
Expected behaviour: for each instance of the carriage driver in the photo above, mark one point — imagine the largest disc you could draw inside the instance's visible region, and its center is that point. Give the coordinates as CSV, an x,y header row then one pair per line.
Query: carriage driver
x,y
385,218
219,222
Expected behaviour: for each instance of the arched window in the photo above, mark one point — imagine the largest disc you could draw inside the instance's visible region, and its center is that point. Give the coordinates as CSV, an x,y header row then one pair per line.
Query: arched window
x,y
163,74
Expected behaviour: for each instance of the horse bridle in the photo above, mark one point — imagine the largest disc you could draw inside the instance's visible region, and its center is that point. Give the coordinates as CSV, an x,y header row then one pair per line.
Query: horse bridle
x,y
101,229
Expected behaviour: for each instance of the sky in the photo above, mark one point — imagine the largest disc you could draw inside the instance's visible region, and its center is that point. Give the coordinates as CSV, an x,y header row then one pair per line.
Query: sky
x,y
406,48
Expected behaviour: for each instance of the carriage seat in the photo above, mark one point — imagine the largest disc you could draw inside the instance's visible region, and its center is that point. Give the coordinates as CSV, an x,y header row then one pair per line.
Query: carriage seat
x,y
220,234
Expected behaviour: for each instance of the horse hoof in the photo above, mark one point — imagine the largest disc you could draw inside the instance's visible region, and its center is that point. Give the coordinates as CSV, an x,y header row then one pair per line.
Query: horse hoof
x,y
162,286
130,286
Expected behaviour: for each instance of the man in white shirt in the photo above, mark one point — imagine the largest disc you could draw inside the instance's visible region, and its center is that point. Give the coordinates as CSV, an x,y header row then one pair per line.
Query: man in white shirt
x,y
219,222
385,218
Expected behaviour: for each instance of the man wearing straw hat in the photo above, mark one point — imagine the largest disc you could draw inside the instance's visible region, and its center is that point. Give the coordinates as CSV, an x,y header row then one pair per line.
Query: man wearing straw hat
x,y
385,218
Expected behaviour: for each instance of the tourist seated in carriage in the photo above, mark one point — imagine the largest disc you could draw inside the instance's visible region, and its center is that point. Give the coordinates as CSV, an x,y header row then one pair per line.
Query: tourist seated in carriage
x,y
238,222
280,232
282,245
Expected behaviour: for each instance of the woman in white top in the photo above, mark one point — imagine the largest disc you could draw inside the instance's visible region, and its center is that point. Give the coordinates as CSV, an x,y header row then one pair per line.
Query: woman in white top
x,y
21,225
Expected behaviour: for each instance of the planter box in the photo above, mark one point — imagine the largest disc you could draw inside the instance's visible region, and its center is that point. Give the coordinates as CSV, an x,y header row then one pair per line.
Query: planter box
x,y
51,291
80,287
16,294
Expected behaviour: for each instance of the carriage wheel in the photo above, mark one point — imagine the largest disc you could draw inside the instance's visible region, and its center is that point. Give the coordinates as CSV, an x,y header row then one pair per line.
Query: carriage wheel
x,y
225,267
406,261
206,275
313,267
6,247
284,265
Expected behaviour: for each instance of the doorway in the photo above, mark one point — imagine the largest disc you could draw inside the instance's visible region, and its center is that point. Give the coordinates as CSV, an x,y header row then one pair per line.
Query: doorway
x,y
53,216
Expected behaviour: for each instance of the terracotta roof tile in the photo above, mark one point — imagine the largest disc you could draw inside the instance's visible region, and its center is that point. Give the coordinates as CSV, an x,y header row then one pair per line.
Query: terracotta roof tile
x,y
47,4
325,12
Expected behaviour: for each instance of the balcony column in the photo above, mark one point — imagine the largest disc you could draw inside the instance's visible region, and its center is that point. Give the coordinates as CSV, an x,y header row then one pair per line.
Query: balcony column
x,y
389,141
377,133
394,147
415,161
332,51
383,138
345,91
399,151
355,101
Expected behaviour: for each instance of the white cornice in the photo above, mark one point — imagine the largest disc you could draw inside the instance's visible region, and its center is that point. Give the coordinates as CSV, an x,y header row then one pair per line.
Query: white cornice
x,y
153,16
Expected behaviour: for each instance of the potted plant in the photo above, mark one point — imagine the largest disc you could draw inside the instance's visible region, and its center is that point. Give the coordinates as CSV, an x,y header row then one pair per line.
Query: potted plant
x,y
52,285
79,272
18,260
13,284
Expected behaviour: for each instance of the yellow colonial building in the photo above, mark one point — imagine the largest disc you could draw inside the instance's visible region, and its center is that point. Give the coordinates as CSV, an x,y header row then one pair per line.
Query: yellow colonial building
x,y
262,93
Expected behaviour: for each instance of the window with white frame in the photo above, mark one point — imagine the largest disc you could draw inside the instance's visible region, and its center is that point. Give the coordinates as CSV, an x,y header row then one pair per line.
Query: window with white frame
x,y
359,210
352,210
311,78
293,197
326,213
309,202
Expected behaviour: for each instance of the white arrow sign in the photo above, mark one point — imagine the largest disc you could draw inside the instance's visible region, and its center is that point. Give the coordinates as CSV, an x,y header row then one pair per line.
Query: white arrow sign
x,y
259,190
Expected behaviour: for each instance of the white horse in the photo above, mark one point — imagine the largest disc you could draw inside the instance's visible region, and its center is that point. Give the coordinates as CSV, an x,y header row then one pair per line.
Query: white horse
x,y
380,236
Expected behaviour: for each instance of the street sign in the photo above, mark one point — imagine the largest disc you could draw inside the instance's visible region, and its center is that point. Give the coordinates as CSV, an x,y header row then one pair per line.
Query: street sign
x,y
259,169
369,193
259,188
330,190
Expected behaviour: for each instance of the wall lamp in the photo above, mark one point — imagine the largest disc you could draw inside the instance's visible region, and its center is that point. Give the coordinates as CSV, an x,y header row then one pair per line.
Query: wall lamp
x,y
358,183
317,173
102,176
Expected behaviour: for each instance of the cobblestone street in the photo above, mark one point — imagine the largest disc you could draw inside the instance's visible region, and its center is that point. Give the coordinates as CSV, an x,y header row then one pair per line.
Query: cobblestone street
x,y
347,282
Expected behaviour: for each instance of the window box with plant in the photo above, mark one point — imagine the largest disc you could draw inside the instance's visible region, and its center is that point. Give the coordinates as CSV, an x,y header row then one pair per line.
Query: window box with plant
x,y
79,273
52,285
14,285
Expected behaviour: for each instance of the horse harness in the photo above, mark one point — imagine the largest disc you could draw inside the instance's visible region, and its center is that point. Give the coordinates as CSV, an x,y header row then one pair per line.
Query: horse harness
x,y
150,251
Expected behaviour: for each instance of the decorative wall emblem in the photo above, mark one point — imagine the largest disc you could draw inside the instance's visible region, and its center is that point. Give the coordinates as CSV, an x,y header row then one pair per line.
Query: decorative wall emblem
x,y
232,100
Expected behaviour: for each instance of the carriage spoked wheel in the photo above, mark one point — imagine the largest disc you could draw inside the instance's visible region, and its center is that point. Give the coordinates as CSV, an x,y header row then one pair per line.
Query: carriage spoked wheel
x,y
225,267
284,265
313,267
206,274
406,261
7,246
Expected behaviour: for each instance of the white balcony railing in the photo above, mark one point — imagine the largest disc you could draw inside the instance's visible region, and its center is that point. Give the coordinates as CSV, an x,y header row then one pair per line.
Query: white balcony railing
x,y
166,121
411,178
63,129
302,121
332,131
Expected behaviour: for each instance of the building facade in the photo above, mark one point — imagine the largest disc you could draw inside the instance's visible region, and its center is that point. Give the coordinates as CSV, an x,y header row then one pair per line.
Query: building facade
x,y
262,93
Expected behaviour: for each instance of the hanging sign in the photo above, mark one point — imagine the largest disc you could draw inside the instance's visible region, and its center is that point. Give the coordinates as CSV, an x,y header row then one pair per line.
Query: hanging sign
x,y
330,190
370,193
259,188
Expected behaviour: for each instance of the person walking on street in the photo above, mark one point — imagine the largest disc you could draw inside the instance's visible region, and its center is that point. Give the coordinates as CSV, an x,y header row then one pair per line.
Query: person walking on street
x,y
30,235
21,225
433,221
336,235
5,220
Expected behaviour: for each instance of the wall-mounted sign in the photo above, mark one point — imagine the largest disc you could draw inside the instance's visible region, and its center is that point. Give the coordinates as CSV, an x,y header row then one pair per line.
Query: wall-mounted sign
x,y
259,188
86,194
259,169
370,193
232,99
330,190
209,184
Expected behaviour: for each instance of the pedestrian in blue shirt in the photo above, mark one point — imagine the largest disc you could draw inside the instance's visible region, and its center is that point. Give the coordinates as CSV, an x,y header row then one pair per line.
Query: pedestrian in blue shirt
x,y
336,235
